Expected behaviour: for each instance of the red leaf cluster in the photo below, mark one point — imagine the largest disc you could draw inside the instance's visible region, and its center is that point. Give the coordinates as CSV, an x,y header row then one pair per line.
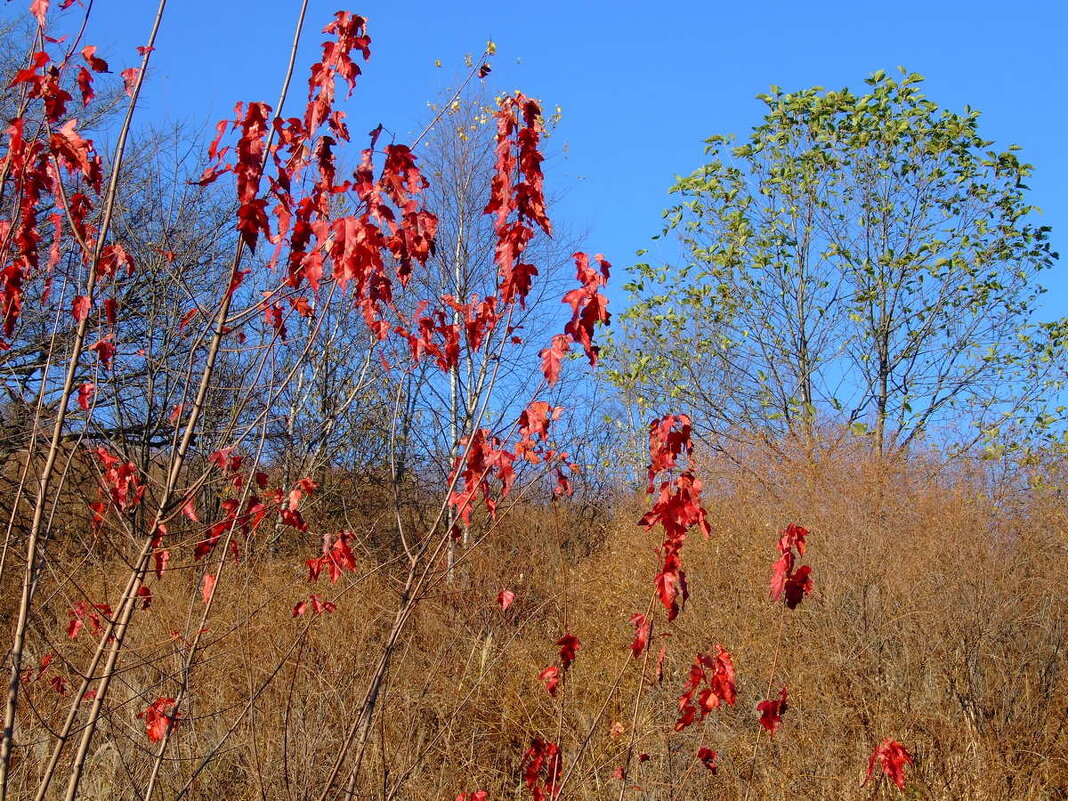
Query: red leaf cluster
x,y
85,612
350,34
336,558
677,508
588,305
771,712
569,646
258,506
105,351
120,480
145,594
387,222
318,605
669,438
85,395
552,675
159,717
542,768
517,187
707,757
207,587
787,584
534,429
32,165
717,673
28,673
96,64
485,456
892,757
643,628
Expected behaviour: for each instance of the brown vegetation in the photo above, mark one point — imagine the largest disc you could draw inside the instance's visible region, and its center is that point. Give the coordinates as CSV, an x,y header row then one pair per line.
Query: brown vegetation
x,y
938,619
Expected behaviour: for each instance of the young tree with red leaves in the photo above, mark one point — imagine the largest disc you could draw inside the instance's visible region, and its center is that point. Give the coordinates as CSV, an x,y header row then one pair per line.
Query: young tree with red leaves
x,y
202,498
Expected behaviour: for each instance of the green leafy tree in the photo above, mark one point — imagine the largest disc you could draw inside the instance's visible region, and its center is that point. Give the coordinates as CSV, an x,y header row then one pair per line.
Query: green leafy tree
x,y
867,258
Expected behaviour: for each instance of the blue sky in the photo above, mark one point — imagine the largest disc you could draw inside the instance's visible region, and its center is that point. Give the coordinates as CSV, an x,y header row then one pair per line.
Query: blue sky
x,y
641,85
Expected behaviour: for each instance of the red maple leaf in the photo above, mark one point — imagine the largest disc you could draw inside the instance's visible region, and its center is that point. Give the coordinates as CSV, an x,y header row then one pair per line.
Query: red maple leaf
x,y
39,8
551,677
798,585
85,395
160,558
892,757
85,85
707,757
80,307
787,584
145,594
717,673
207,587
542,766
569,646
771,712
159,717
642,629
552,358
96,64
720,678
105,350
793,536
129,79
85,612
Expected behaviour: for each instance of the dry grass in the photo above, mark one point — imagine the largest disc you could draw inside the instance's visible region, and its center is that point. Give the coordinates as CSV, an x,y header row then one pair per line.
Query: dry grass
x,y
938,620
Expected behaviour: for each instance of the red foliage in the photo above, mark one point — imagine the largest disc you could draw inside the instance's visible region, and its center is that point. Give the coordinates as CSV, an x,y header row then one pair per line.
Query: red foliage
x,y
85,395
677,508
85,612
771,712
319,606
718,673
552,358
159,717
145,594
542,768
129,79
707,757
96,64
569,646
892,757
207,587
551,676
336,557
505,599
105,351
669,438
642,631
787,584
120,480
588,305
485,457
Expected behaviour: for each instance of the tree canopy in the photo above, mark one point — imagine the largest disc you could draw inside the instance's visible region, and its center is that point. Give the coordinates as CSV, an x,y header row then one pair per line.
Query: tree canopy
x,y
864,258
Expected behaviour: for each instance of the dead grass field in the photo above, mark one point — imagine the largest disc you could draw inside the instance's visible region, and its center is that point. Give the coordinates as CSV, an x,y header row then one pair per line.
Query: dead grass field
x,y
937,619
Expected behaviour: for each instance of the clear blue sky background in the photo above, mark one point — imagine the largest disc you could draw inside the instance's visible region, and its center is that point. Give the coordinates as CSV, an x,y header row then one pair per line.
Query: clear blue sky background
x,y
641,84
